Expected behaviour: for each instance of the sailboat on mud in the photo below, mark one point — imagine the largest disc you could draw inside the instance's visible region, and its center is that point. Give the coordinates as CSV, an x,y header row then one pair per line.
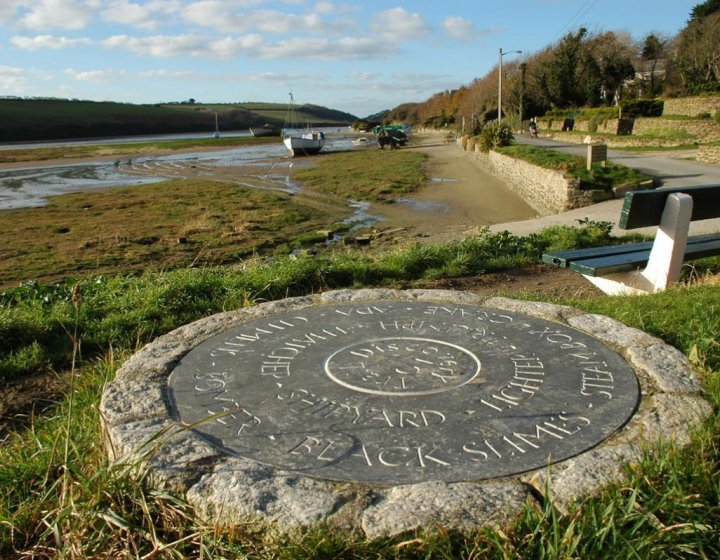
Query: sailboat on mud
x,y
300,142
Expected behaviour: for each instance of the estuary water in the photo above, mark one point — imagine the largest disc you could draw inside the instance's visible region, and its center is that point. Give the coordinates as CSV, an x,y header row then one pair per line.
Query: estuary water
x,y
31,186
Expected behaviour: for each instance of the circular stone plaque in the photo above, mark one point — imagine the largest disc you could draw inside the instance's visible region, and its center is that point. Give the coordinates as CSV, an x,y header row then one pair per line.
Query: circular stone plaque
x,y
403,391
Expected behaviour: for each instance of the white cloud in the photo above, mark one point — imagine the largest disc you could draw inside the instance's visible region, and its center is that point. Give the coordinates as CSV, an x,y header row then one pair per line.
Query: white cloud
x,y
274,77
325,7
399,24
8,9
229,17
165,46
458,27
98,76
180,75
59,14
223,16
234,46
161,46
47,42
143,16
12,81
364,76
347,47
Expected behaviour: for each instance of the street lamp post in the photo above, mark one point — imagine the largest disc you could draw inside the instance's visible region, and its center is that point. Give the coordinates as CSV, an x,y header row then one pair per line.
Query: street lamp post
x,y
501,54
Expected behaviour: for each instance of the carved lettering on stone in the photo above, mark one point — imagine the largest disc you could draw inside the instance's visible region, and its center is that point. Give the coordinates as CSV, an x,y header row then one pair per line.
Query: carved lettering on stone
x,y
400,392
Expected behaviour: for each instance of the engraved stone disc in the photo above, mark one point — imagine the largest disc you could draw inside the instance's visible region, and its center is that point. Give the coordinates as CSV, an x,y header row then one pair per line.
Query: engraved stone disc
x,y
395,392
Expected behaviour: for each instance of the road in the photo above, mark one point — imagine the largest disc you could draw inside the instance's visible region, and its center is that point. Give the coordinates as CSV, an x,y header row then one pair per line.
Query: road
x,y
669,172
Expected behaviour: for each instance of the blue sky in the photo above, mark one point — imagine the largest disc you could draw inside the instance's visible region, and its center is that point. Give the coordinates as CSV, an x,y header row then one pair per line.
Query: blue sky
x,y
357,56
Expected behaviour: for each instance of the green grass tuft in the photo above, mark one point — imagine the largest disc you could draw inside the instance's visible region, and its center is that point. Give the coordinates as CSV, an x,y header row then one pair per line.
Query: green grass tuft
x,y
61,497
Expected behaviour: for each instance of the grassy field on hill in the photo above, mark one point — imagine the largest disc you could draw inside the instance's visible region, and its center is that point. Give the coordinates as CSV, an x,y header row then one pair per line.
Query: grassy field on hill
x,y
49,119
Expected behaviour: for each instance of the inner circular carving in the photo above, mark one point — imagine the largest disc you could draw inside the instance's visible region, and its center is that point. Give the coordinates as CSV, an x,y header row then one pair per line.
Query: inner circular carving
x,y
405,366
393,392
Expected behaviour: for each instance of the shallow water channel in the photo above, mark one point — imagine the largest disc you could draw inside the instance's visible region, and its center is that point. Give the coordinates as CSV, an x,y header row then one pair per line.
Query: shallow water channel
x,y
31,186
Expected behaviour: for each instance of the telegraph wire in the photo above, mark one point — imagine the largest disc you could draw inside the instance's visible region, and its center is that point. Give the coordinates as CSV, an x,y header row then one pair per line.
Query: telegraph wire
x,y
584,9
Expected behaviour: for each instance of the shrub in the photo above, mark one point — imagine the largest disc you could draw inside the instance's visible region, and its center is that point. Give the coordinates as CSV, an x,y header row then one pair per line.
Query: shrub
x,y
495,135
634,108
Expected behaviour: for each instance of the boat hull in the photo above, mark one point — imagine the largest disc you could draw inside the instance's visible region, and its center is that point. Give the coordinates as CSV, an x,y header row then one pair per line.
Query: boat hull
x,y
305,145
264,131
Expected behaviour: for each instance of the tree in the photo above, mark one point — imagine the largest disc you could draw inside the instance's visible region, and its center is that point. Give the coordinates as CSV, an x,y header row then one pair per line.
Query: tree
x,y
705,9
699,53
559,80
608,64
653,50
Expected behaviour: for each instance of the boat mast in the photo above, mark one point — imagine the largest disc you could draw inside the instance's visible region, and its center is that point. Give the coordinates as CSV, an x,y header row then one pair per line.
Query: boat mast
x,y
216,134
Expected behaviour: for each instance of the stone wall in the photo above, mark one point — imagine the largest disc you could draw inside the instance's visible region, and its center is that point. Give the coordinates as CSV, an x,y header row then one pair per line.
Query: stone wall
x,y
545,190
709,154
617,141
706,129
692,106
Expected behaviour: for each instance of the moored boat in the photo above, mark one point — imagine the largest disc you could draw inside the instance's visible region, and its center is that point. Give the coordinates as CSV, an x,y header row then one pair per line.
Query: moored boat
x,y
265,130
300,142
304,143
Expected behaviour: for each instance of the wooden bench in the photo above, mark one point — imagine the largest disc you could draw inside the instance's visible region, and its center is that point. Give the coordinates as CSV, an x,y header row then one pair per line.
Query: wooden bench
x,y
618,269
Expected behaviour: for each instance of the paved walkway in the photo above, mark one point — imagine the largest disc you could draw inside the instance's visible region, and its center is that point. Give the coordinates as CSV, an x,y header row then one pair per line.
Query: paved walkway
x,y
669,172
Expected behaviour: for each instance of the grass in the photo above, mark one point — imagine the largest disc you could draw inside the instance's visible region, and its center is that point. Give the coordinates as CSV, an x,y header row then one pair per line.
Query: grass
x,y
132,228
127,310
378,175
664,133
61,497
605,178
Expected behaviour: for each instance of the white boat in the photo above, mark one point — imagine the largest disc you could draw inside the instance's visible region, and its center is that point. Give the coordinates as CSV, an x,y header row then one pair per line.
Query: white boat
x,y
300,142
304,143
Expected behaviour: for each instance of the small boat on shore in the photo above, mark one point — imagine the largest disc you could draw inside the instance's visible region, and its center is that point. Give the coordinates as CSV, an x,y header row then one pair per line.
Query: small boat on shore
x,y
300,142
265,131
216,134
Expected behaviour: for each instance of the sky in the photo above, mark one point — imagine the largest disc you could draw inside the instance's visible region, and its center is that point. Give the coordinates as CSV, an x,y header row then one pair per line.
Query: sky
x,y
358,56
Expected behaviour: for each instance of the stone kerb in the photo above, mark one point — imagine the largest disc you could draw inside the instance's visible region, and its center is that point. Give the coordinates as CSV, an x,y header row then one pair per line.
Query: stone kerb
x,y
140,411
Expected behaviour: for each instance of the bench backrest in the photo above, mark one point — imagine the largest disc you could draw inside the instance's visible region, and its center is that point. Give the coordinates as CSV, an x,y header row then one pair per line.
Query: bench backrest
x,y
645,208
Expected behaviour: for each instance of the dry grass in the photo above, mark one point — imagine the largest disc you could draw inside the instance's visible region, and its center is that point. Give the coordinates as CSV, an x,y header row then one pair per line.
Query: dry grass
x,y
163,225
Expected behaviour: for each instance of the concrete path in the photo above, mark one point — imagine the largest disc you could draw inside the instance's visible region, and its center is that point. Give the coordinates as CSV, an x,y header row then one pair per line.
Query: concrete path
x,y
668,171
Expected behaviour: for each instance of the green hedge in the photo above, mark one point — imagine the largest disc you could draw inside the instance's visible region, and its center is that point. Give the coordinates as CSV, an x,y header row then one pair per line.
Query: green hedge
x,y
634,108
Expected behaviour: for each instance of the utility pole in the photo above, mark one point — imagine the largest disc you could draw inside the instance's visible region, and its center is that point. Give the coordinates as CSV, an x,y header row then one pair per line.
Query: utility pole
x,y
523,69
500,55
